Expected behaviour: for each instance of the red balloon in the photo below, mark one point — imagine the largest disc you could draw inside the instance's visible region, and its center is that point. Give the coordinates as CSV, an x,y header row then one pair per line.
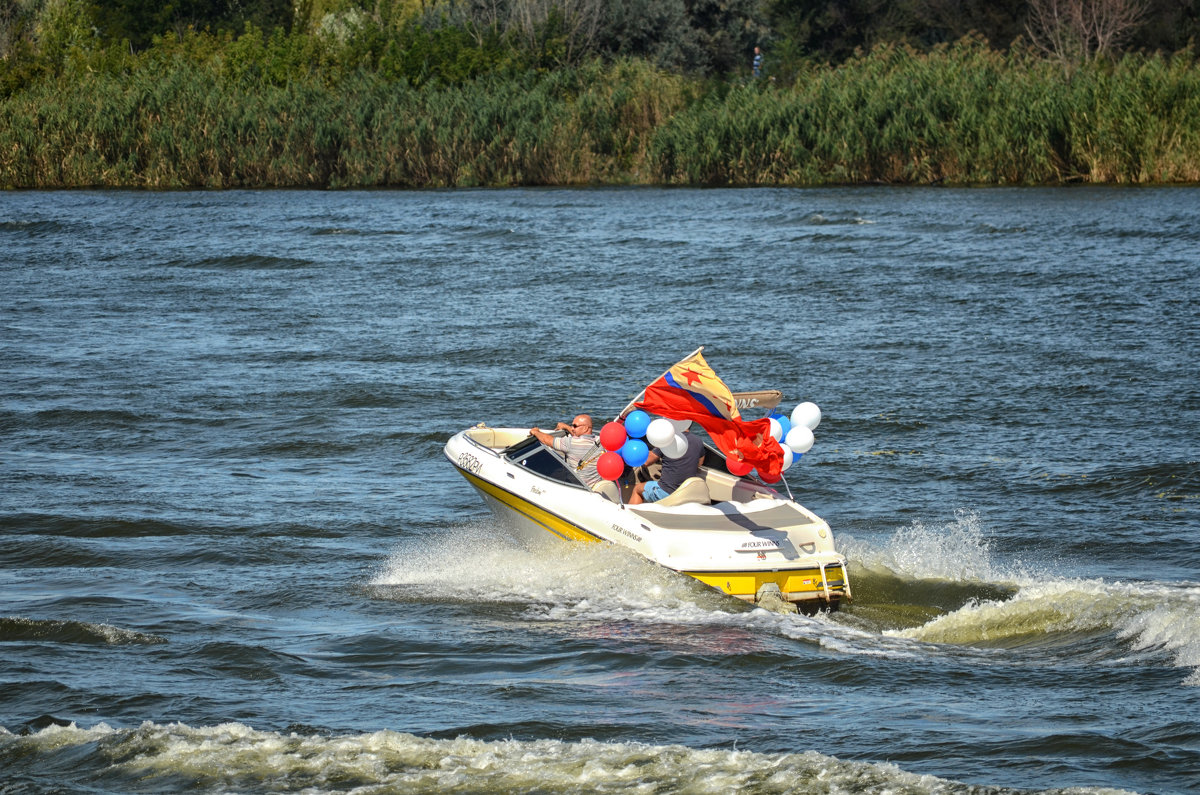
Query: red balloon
x,y
738,467
612,436
610,465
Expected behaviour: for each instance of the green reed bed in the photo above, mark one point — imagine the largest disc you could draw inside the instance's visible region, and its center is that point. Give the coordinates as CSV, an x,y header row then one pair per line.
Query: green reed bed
x,y
1138,122
229,117
186,126
964,114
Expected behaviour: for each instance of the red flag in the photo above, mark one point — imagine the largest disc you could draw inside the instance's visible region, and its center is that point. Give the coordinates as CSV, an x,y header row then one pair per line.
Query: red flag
x,y
692,391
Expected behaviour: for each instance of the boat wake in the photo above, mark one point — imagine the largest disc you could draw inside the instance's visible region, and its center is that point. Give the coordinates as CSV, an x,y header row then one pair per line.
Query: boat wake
x,y
478,563
1150,619
943,585
925,585
601,584
235,757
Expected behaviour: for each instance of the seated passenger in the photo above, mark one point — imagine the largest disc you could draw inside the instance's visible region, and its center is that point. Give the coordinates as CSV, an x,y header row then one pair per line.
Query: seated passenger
x,y
581,447
674,472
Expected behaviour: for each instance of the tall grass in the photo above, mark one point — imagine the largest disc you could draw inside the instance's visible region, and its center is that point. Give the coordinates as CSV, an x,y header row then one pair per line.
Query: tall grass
x,y
231,116
964,114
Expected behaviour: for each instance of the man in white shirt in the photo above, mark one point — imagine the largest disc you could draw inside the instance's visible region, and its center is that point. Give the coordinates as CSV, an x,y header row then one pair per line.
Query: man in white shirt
x,y
580,446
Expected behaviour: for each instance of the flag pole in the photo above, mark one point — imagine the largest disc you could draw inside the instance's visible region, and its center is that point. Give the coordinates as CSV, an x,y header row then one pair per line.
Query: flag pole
x,y
783,477
642,394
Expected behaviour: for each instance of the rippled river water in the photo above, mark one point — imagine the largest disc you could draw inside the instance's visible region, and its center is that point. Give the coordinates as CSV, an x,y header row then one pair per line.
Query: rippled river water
x,y
234,559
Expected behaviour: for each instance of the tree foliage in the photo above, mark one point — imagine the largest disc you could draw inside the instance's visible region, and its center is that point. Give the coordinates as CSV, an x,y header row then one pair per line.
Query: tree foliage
x,y
695,37
139,21
835,29
469,92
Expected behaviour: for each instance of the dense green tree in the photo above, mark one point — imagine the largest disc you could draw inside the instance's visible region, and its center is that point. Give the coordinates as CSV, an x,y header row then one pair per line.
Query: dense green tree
x,y
999,22
727,31
61,28
694,36
657,30
15,20
138,21
698,36
834,29
1169,26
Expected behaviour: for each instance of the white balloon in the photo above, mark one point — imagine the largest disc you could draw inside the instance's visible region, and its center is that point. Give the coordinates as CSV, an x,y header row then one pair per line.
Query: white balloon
x,y
806,414
660,433
680,425
800,439
776,429
677,447
789,458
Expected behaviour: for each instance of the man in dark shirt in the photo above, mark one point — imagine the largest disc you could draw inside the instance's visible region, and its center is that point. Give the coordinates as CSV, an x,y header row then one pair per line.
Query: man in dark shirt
x,y
674,471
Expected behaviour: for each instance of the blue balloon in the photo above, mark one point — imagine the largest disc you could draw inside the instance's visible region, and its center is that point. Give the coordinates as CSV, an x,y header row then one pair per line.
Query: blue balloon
x,y
635,452
784,422
636,424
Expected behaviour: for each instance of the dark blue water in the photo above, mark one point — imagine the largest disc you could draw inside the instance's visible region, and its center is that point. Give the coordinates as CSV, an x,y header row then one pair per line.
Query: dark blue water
x,y
233,558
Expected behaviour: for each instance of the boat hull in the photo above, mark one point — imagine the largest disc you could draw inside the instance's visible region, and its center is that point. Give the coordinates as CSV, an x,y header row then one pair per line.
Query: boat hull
x,y
531,523
767,545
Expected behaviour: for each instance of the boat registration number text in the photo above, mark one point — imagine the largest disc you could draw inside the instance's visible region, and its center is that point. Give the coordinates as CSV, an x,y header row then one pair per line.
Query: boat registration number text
x,y
468,462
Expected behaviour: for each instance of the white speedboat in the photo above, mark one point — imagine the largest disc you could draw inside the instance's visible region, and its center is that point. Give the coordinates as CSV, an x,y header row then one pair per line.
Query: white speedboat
x,y
735,534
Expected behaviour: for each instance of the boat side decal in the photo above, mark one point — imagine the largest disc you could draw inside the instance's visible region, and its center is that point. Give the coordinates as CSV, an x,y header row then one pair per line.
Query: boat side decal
x,y
551,522
468,462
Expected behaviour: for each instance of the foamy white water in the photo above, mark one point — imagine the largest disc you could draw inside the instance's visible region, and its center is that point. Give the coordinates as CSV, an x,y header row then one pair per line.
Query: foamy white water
x,y
233,757
1149,618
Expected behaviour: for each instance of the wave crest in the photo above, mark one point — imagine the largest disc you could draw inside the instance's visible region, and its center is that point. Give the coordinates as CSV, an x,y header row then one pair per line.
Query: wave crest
x,y
14,629
233,756
1153,618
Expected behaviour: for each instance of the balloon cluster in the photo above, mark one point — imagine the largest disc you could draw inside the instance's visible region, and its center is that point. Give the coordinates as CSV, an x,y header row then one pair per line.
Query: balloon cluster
x,y
794,434
623,443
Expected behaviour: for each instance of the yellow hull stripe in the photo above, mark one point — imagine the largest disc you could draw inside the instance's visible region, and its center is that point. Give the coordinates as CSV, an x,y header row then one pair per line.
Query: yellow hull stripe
x,y
805,583
553,523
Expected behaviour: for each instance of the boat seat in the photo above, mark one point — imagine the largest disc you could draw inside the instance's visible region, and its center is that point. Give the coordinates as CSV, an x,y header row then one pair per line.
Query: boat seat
x,y
723,487
497,438
693,489
608,489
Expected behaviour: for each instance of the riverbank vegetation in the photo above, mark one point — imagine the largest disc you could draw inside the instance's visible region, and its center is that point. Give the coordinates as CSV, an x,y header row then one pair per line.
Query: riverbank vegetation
x,y
409,94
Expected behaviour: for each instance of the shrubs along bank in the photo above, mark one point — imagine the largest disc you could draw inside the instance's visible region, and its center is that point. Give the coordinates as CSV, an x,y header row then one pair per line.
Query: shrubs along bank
x,y
196,114
961,115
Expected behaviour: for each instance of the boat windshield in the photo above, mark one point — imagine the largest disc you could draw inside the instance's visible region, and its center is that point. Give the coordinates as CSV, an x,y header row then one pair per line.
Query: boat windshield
x,y
537,458
529,443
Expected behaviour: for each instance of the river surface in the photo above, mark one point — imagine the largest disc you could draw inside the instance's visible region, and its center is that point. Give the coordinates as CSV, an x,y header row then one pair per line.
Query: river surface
x,y
233,558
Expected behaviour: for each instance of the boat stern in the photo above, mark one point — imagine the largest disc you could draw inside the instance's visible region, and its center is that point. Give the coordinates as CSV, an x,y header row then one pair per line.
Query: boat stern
x,y
765,548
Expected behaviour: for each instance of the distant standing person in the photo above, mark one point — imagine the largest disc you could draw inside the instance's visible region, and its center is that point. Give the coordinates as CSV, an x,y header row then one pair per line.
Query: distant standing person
x,y
757,68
